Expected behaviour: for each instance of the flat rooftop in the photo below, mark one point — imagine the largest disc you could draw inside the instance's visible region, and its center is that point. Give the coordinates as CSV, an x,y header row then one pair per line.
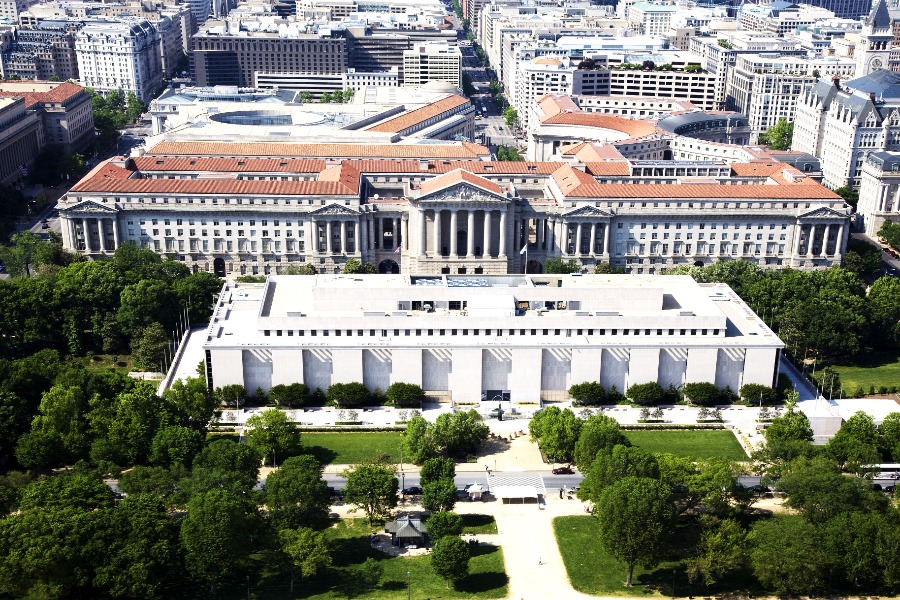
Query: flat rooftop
x,y
613,306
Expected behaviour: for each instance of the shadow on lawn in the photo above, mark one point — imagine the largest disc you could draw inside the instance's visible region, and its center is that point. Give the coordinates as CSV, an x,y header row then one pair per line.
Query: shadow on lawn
x,y
473,520
325,456
871,360
481,582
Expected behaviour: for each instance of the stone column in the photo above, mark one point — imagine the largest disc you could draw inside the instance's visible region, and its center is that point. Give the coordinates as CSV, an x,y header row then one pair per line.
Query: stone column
x,y
362,233
605,249
838,250
404,232
470,234
809,241
101,234
593,249
86,232
437,232
551,236
578,238
343,248
328,243
798,233
370,233
397,239
454,251
486,242
539,233
503,217
115,231
423,237
356,247
825,240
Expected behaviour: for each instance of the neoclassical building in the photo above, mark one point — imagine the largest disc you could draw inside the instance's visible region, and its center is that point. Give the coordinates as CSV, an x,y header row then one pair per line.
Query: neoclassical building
x,y
441,208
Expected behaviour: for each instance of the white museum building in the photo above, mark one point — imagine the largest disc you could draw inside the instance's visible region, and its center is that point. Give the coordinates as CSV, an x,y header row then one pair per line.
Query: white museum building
x,y
480,338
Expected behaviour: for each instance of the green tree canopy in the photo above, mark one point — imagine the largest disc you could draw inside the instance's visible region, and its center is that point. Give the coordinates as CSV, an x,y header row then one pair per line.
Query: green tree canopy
x,y
443,523
450,559
778,136
296,494
556,432
439,495
636,517
599,433
372,488
306,551
271,435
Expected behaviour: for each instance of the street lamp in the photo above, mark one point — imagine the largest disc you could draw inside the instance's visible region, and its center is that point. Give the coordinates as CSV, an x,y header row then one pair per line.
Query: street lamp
x,y
408,589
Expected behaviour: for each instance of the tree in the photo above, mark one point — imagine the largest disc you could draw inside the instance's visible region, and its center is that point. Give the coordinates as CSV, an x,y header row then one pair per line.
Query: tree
x,y
155,481
215,535
787,556
511,116
371,488
460,433
889,437
450,559
191,401
702,393
884,309
556,432
134,108
149,346
646,394
306,551
405,394
40,450
305,97
721,551
636,522
755,393
778,136
124,435
614,464
559,266
848,538
599,433
418,440
856,442
439,495
175,445
28,252
890,233
849,195
144,303
442,524
140,557
351,266
348,394
271,434
292,395
589,392
787,437
819,492
296,494
436,469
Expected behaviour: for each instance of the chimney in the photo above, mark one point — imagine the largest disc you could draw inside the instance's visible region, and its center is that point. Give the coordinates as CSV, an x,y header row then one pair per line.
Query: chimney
x,y
837,81
872,97
424,164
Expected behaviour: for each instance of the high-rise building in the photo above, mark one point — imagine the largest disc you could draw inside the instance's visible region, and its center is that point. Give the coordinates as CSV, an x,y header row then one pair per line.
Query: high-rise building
x,y
432,62
120,55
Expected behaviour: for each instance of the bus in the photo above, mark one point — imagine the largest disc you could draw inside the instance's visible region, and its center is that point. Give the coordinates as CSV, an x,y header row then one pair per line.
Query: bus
x,y
882,471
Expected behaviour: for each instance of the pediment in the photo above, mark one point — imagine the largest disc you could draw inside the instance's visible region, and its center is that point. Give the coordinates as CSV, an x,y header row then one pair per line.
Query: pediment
x,y
822,213
88,207
461,192
587,212
334,209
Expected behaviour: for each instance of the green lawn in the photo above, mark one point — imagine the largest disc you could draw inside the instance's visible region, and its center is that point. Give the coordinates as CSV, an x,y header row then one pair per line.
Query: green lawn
x,y
878,369
479,524
695,444
352,447
593,571
99,362
350,542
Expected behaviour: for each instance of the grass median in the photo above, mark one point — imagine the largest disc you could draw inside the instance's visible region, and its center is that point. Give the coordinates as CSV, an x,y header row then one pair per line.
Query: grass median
x,y
351,447
696,444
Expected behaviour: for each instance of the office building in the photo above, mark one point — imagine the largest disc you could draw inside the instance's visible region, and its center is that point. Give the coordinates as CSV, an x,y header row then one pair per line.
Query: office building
x,y
21,139
432,62
467,339
65,111
120,55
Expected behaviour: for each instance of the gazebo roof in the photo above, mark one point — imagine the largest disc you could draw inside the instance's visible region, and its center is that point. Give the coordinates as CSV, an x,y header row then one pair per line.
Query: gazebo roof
x,y
406,527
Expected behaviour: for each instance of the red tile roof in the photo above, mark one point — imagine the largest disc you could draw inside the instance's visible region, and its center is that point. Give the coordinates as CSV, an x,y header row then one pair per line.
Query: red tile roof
x,y
445,166
229,165
346,174
419,115
59,94
635,129
460,151
458,176
609,168
237,187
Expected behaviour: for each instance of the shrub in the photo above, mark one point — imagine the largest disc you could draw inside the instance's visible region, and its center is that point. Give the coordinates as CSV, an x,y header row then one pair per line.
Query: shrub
x,y
405,394
589,392
752,392
702,393
441,524
648,394
347,394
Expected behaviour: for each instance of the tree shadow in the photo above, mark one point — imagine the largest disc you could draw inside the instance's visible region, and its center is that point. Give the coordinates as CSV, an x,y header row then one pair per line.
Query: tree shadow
x,y
325,456
475,583
869,360
475,520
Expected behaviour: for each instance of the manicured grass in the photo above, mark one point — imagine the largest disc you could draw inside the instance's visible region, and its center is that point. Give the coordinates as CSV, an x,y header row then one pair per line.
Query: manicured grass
x,y
878,369
352,447
350,544
592,570
479,524
695,444
99,362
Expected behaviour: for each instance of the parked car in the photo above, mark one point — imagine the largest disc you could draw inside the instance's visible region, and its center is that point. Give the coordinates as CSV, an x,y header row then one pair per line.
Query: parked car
x,y
563,471
412,490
